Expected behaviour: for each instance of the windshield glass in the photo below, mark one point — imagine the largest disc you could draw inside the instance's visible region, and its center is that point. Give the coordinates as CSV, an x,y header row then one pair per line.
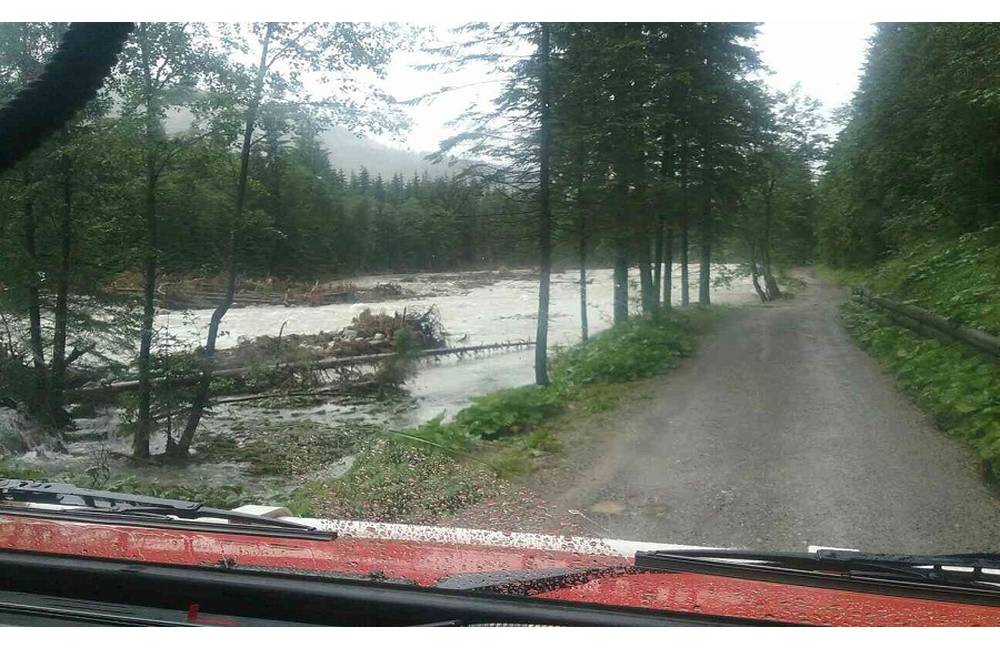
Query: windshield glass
x,y
730,285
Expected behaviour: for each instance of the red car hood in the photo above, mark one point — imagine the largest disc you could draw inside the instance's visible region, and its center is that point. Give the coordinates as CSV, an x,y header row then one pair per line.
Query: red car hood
x,y
425,555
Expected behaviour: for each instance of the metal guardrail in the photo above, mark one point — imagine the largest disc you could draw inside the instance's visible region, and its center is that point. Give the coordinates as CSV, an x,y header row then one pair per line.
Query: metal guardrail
x,y
928,323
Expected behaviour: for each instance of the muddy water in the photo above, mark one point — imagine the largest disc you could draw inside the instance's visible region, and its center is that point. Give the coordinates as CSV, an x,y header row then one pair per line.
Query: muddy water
x,y
474,308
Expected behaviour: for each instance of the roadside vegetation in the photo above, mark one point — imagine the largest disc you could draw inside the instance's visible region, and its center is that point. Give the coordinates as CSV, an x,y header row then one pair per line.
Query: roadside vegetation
x,y
959,280
908,207
440,467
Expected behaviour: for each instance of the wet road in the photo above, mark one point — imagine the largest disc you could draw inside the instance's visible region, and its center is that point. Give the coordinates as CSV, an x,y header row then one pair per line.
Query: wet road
x,y
778,434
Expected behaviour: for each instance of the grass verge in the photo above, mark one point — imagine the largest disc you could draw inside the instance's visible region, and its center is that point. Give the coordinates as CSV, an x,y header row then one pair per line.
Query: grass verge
x,y
960,389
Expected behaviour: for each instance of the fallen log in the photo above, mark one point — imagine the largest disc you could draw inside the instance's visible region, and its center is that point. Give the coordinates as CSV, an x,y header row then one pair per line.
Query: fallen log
x,y
930,324
128,385
324,392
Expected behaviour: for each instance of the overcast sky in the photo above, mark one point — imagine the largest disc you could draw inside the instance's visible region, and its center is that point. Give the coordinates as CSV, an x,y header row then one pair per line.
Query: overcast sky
x,y
825,57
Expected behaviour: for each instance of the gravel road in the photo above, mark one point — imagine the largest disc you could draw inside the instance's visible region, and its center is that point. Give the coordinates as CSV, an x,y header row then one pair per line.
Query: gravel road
x,y
779,433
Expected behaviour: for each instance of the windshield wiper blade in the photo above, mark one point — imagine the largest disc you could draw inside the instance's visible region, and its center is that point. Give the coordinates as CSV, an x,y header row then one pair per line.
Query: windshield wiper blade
x,y
975,561
85,502
961,570
529,582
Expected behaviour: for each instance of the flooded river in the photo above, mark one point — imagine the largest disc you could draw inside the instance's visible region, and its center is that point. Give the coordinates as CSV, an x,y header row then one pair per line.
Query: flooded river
x,y
475,307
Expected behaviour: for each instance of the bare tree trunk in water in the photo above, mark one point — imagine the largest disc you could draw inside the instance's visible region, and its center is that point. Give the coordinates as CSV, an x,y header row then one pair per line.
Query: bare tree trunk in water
x,y
144,419
201,394
545,214
668,267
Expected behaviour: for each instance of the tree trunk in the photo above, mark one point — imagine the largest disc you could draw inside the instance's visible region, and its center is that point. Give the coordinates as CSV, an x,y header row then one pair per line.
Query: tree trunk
x,y
769,282
200,400
668,267
544,213
582,224
705,263
57,375
755,273
658,260
39,405
144,418
278,216
685,281
645,272
620,279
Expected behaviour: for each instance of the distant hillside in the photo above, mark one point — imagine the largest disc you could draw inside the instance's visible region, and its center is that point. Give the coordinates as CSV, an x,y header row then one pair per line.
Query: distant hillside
x,y
349,152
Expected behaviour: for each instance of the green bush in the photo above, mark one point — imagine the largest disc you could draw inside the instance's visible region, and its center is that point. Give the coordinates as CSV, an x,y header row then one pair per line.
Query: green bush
x,y
9,469
508,412
959,388
637,348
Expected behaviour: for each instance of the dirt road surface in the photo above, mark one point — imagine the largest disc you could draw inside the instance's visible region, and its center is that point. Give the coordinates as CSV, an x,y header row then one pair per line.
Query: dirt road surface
x,y
777,434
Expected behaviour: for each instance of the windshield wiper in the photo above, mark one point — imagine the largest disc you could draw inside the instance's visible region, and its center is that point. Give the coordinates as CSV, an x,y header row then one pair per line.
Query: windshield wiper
x,y
529,582
979,572
116,507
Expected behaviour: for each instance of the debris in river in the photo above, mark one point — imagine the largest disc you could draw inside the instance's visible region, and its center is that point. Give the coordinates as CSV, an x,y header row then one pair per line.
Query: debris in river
x,y
385,291
205,292
426,327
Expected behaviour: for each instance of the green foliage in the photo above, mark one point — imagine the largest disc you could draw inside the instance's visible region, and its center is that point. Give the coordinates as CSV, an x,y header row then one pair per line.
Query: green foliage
x,y
842,277
11,469
960,389
958,279
444,437
917,157
637,348
508,412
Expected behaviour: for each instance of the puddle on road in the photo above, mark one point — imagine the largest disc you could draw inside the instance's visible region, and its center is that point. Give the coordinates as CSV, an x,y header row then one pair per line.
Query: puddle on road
x,y
652,507
607,508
